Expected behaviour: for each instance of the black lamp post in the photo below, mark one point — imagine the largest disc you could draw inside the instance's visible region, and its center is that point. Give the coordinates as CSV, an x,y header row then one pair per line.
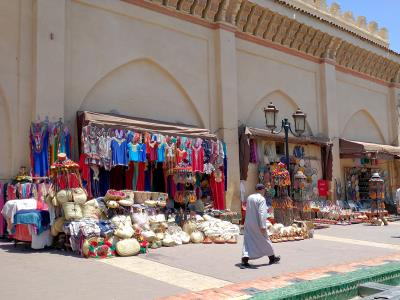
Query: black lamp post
x,y
271,113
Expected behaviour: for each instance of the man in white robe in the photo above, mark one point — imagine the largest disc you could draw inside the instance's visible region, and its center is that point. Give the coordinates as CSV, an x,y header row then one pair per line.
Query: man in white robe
x,y
256,243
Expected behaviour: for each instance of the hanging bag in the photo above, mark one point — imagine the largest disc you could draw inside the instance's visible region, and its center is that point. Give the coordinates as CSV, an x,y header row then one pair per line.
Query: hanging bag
x,y
72,211
79,195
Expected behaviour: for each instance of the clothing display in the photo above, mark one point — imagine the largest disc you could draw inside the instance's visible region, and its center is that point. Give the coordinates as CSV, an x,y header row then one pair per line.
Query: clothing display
x,y
144,161
47,139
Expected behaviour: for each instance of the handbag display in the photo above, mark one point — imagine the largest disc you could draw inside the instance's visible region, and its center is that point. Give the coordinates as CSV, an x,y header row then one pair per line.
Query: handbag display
x,y
72,211
79,195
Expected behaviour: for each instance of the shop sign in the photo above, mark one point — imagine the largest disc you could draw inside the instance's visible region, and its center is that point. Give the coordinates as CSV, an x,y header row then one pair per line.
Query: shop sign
x,y
323,187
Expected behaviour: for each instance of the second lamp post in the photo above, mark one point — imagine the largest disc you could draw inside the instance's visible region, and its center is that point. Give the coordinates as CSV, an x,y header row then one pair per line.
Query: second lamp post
x,y
271,114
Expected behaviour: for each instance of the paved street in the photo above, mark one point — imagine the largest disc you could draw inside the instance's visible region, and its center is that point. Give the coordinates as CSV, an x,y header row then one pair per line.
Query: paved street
x,y
184,269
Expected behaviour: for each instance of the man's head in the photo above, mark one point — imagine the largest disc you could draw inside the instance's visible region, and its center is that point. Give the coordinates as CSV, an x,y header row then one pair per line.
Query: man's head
x,y
260,188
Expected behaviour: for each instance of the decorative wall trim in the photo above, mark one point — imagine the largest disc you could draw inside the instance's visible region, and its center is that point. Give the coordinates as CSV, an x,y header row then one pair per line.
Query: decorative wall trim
x,y
260,25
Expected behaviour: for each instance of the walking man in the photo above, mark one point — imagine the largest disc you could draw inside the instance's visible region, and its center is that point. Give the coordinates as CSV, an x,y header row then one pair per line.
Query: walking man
x,y
256,242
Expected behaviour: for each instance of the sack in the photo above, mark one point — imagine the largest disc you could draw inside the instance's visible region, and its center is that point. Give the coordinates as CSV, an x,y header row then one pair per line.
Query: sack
x,y
140,219
124,232
185,237
64,196
79,195
91,210
121,221
127,247
149,235
189,227
126,202
168,241
112,204
59,224
123,226
72,211
196,237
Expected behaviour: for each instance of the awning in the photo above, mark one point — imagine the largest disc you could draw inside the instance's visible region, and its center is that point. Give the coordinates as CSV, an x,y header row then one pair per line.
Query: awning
x,y
348,148
266,134
142,125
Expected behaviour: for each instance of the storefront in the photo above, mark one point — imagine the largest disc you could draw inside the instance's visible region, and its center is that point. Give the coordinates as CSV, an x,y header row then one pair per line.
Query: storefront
x,y
359,160
261,152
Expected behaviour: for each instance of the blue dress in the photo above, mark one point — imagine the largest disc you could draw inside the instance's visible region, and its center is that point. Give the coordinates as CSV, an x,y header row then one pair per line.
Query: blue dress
x,y
119,150
142,152
161,153
133,151
40,153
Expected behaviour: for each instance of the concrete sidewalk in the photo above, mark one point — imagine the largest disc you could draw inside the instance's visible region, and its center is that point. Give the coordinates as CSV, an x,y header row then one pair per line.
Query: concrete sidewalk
x,y
188,268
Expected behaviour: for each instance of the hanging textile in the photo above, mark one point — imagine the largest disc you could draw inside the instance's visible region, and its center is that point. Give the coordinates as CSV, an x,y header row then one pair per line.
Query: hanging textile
x,y
217,184
253,151
244,154
40,149
2,200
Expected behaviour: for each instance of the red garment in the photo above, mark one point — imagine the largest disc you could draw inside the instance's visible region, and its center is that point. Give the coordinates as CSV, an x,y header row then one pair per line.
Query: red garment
x,y
22,233
68,181
217,184
84,168
140,181
198,159
181,156
11,192
152,148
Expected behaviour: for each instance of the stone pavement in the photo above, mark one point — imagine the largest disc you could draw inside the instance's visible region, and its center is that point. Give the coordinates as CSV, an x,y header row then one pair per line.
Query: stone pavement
x,y
193,271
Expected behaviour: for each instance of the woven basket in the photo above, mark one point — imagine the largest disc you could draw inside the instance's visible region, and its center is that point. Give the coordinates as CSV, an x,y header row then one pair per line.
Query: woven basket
x,y
127,247
91,212
72,211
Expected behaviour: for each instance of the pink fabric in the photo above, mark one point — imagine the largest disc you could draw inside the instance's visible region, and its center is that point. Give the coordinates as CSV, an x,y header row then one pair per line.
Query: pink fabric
x,y
198,159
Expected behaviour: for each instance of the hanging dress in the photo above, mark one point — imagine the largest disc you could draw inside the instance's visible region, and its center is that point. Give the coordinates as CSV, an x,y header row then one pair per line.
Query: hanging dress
x,y
198,159
39,149
119,149
105,152
217,184
90,141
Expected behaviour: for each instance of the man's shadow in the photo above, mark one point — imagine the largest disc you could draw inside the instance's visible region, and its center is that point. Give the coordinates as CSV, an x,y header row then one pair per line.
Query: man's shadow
x,y
252,266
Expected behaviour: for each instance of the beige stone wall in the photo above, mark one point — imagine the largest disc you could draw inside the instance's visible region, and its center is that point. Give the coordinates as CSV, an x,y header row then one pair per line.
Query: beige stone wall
x,y
61,56
16,84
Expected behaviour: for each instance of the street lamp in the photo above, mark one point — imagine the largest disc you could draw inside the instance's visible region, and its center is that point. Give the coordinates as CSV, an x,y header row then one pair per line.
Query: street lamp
x,y
271,114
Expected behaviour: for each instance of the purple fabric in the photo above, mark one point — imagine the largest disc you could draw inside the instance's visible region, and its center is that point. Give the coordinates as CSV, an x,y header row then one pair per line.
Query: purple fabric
x,y
253,151
1,207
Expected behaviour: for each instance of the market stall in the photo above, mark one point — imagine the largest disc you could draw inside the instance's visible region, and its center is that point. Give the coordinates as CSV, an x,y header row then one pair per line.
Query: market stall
x,y
360,161
125,153
263,156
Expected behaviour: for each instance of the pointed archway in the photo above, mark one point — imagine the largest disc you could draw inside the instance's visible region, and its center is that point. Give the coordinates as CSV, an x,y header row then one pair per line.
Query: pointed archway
x,y
286,105
363,127
143,88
